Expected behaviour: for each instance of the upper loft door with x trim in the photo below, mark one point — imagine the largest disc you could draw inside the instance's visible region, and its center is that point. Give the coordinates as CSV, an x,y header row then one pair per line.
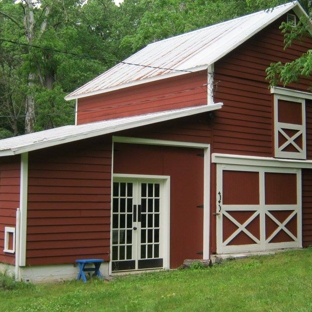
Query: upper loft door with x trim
x,y
258,208
137,228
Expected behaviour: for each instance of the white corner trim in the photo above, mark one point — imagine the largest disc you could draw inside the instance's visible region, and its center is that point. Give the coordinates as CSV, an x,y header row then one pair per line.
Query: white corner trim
x,y
291,93
206,223
76,112
23,208
210,85
260,161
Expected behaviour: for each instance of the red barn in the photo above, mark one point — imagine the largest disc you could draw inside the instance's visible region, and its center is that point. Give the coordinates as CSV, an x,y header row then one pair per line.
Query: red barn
x,y
179,152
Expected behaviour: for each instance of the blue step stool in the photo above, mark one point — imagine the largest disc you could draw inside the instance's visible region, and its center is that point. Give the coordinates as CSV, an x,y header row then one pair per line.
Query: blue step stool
x,y
82,269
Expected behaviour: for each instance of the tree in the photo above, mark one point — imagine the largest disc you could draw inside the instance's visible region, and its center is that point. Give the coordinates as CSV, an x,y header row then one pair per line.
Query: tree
x,y
54,51
289,72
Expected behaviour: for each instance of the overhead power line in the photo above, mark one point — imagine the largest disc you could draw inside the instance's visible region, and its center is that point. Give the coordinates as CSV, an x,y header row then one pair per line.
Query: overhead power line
x,y
92,58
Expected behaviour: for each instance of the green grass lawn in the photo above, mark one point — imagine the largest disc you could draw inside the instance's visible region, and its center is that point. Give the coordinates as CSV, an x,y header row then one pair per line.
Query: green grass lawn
x,y
281,282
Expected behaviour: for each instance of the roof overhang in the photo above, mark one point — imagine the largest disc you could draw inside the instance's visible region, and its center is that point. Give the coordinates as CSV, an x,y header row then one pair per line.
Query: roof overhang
x,y
174,73
53,137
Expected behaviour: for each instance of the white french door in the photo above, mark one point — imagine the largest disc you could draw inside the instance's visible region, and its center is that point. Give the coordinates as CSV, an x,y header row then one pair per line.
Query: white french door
x,y
137,224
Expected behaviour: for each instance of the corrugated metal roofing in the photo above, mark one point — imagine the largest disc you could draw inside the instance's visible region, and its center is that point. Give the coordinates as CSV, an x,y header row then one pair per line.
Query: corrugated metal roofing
x,y
180,54
66,134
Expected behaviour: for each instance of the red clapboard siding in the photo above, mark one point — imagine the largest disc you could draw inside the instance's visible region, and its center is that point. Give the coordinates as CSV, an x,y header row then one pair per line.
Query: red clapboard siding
x,y
9,199
187,129
306,208
183,91
245,123
69,202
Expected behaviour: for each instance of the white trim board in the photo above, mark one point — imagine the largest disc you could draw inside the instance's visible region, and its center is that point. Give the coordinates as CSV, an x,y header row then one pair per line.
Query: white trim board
x,y
291,93
260,161
23,210
132,140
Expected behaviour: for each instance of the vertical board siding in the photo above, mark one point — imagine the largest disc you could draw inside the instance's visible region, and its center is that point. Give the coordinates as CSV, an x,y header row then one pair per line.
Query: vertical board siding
x,y
185,168
309,128
69,203
245,123
306,208
183,91
9,199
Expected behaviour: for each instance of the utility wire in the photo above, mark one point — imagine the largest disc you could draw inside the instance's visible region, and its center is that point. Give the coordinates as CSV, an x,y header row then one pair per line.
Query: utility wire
x,y
89,57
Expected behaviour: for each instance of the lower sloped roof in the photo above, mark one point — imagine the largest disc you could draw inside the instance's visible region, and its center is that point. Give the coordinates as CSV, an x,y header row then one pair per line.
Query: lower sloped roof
x,y
43,139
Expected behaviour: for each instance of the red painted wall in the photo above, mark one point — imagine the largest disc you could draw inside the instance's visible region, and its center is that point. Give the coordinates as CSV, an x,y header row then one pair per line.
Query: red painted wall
x,y
185,169
182,91
9,199
245,123
69,203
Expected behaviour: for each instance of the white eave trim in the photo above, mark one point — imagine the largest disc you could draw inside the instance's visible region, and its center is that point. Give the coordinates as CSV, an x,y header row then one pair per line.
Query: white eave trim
x,y
291,93
228,159
107,129
176,73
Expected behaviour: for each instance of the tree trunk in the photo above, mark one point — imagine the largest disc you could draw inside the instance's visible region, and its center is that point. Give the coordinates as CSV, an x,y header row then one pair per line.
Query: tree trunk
x,y
29,23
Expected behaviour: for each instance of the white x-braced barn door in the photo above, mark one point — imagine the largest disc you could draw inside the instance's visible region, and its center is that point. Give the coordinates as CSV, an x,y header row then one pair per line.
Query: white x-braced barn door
x,y
257,208
136,225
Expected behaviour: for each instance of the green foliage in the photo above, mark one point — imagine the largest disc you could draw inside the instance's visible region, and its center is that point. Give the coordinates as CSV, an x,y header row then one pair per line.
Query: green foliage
x,y
8,283
290,72
4,133
73,43
197,265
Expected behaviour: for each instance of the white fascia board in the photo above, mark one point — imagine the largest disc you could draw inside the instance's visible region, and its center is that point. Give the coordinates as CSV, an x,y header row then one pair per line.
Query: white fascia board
x,y
150,119
298,9
291,93
243,37
229,159
176,73
132,140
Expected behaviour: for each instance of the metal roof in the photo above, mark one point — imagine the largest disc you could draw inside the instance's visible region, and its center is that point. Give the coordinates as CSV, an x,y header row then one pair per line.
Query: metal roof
x,y
43,139
182,54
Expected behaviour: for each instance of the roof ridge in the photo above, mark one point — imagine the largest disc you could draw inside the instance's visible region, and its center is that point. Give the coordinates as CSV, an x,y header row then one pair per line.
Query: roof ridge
x,y
223,23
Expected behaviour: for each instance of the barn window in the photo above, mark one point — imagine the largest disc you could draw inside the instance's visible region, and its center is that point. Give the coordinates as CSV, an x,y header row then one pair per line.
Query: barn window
x,y
292,19
289,124
9,239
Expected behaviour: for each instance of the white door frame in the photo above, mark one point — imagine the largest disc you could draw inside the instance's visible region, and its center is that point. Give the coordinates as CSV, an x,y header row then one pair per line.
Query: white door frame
x,y
207,170
164,182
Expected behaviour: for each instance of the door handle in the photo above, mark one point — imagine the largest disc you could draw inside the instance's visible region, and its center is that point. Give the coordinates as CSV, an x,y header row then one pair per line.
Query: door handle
x,y
219,201
135,228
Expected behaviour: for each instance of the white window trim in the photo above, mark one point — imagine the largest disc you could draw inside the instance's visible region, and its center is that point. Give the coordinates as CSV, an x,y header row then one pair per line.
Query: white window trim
x,y
260,161
279,126
7,231
291,93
